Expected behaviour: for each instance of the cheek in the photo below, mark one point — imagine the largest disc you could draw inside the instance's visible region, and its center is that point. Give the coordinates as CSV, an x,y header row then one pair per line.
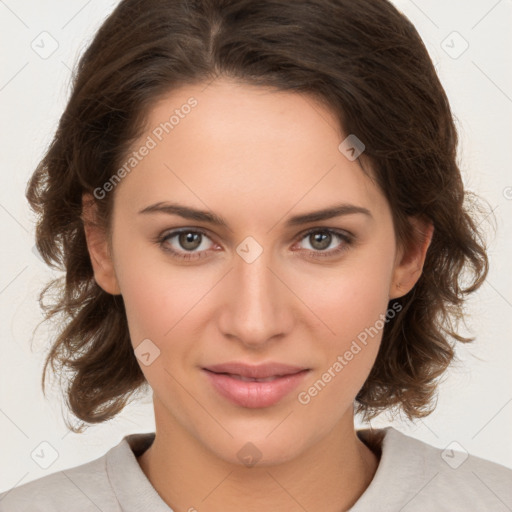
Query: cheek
x,y
350,298
160,313
156,293
158,305
351,306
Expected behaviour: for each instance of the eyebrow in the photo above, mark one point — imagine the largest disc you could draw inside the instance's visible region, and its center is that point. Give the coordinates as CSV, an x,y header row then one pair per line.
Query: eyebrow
x,y
204,216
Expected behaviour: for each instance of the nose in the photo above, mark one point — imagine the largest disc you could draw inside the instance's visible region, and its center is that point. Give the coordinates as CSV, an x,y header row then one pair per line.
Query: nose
x,y
257,304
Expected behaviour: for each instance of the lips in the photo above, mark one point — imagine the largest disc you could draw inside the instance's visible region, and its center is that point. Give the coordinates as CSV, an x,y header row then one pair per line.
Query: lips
x,y
252,386
260,372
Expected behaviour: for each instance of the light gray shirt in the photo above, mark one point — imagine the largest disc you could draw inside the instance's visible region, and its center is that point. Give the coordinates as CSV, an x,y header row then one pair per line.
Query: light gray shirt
x,y
412,476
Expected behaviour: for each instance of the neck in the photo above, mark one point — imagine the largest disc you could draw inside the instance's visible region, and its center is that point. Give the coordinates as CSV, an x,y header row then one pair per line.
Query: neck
x,y
330,475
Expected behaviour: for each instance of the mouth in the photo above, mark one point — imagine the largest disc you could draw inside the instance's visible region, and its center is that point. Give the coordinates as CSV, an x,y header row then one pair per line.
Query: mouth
x,y
251,379
268,370
251,391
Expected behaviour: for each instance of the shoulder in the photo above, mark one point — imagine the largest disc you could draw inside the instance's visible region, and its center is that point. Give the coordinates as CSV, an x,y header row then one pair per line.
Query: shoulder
x,y
466,480
80,488
450,478
418,476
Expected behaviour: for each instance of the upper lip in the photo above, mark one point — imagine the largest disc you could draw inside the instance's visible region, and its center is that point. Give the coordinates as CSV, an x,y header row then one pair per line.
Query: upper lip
x,y
261,371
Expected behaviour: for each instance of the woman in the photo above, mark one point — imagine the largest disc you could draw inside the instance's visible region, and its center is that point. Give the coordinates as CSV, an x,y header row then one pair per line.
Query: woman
x,y
260,216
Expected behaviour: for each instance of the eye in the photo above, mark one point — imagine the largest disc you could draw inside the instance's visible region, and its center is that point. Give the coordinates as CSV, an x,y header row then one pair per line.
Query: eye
x,y
189,244
321,238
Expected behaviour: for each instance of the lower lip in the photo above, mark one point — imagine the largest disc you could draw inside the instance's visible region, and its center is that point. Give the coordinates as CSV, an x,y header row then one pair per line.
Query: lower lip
x,y
254,394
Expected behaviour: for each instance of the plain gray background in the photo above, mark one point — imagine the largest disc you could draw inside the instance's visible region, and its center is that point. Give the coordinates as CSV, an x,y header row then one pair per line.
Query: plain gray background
x,y
469,42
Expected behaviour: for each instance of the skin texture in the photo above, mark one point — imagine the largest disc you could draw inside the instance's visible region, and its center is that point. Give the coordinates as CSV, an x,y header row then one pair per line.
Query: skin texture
x,y
255,157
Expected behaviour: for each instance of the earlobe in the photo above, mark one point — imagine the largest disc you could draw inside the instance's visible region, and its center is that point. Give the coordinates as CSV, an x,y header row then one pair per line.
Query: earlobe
x,y
410,259
97,245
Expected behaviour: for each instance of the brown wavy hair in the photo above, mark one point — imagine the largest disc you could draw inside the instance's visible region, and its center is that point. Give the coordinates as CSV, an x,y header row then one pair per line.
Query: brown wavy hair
x,y
366,62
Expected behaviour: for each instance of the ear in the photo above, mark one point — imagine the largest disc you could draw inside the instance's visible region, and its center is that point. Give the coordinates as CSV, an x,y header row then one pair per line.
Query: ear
x,y
411,258
97,245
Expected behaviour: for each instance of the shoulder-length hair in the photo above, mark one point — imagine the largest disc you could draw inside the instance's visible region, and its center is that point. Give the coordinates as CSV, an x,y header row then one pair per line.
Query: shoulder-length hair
x,y
366,62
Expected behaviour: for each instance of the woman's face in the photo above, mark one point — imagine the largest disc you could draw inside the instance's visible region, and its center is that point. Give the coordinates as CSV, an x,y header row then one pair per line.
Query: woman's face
x,y
256,288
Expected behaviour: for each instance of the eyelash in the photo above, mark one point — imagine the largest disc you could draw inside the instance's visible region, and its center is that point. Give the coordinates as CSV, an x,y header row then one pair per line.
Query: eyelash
x,y
346,238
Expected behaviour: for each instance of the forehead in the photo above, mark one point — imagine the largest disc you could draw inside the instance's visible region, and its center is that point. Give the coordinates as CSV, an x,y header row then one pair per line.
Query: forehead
x,y
228,145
